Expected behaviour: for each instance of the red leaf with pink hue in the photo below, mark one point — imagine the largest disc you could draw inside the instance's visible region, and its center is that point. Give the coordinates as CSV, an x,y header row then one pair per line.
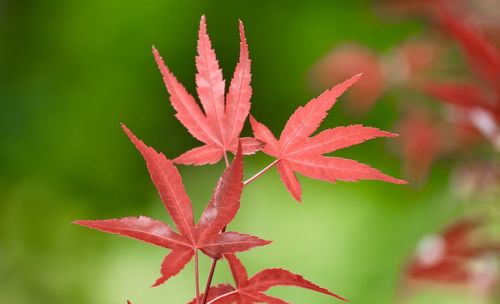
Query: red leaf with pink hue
x,y
220,123
296,151
205,236
252,290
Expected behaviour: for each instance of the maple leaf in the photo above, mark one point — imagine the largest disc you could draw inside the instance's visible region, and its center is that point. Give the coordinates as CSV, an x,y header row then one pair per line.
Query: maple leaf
x,y
296,151
204,236
220,123
252,290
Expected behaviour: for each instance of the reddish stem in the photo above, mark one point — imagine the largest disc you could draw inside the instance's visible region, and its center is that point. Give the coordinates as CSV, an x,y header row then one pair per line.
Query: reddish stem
x,y
210,277
258,174
226,160
214,261
197,276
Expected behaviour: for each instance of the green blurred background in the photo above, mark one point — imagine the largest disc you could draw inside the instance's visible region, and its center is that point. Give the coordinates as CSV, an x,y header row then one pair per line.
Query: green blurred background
x,y
71,71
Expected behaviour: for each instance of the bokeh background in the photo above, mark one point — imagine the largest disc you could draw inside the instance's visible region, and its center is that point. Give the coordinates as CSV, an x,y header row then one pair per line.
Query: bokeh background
x,y
71,71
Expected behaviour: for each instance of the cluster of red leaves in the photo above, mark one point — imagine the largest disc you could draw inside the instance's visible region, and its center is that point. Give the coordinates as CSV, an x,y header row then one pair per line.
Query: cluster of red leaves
x,y
447,258
295,151
218,126
479,98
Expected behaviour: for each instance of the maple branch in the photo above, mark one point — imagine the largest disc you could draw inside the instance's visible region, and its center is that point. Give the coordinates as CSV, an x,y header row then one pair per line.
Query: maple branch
x,y
225,159
210,277
258,174
196,274
214,261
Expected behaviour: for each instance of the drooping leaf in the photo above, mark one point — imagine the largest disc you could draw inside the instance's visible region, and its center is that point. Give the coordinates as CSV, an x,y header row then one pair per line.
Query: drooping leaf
x,y
205,236
483,57
297,151
173,263
465,95
252,290
220,123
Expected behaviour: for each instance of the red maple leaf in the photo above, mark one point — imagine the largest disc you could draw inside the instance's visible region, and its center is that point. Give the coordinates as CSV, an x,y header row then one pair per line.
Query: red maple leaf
x,y
204,236
296,151
220,124
252,290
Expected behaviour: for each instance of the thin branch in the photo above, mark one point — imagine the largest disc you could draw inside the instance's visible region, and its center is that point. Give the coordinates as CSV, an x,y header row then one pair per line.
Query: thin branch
x,y
197,276
226,159
258,174
210,277
214,261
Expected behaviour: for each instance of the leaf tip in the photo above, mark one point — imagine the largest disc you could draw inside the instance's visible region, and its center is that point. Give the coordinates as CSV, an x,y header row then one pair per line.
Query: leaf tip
x,y
158,282
129,133
355,78
203,23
